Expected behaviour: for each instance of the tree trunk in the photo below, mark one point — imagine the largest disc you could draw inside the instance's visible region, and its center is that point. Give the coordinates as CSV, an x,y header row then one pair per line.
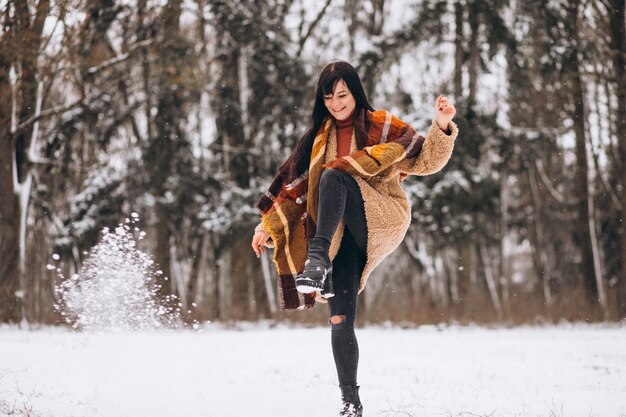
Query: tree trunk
x,y
351,9
441,281
214,292
269,285
453,275
9,205
229,124
197,255
240,279
474,54
377,17
597,261
492,285
18,51
458,49
582,237
162,150
539,245
162,251
415,279
429,271
618,46
505,267
9,218
465,287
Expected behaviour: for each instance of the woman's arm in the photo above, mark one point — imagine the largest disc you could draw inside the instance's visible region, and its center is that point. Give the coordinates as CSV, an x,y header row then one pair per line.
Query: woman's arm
x,y
424,155
435,154
438,144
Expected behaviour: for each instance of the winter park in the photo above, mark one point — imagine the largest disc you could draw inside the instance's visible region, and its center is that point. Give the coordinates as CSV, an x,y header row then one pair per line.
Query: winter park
x,y
323,208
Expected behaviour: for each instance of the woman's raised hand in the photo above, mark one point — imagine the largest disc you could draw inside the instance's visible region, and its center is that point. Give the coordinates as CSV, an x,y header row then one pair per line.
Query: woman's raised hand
x,y
444,112
258,240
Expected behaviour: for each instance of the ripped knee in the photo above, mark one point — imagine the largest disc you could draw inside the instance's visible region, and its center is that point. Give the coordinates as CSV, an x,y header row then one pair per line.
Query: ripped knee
x,y
337,319
341,324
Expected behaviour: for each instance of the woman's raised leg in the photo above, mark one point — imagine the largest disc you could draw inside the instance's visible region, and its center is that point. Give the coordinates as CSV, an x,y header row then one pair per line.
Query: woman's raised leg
x,y
339,198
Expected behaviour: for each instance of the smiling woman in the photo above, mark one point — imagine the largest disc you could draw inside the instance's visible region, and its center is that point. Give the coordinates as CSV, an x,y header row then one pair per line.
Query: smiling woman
x,y
336,208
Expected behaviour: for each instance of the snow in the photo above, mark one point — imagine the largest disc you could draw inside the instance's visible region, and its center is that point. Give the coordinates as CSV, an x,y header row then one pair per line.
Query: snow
x,y
259,371
116,288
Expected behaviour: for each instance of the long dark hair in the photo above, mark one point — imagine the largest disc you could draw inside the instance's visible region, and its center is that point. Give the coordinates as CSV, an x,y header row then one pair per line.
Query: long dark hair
x,y
333,72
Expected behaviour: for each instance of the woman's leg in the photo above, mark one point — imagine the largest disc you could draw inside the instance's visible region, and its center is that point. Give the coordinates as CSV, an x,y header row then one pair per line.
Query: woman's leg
x,y
347,268
339,198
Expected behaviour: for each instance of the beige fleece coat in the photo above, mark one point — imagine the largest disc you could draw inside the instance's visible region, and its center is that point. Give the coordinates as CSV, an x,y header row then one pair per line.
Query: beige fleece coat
x,y
387,208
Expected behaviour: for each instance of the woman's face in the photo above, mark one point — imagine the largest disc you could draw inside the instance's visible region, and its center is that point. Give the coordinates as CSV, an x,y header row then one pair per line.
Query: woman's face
x,y
341,102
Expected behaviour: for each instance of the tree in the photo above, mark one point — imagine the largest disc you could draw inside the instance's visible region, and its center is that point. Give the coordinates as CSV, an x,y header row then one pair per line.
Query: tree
x,y
20,91
617,16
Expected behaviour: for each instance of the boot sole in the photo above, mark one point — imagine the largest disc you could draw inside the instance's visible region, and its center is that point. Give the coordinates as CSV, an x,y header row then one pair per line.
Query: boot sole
x,y
307,286
305,289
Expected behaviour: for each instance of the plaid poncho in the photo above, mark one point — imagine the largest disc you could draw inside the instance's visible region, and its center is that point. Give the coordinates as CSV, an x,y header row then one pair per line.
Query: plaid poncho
x,y
289,207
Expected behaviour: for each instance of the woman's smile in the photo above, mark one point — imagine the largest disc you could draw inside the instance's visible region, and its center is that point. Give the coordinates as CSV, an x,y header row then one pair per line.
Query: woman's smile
x,y
340,103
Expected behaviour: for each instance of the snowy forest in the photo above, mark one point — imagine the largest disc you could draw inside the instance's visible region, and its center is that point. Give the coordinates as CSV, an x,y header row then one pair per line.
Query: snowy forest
x,y
182,111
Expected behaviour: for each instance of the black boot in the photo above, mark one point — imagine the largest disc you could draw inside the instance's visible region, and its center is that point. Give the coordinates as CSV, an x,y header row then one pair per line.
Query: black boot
x,y
352,406
316,268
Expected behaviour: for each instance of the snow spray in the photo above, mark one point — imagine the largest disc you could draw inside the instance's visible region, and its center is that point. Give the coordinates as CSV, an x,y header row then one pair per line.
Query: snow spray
x,y
116,289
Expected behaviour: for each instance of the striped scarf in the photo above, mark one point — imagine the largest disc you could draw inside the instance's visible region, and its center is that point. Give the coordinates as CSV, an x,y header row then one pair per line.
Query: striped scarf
x,y
382,141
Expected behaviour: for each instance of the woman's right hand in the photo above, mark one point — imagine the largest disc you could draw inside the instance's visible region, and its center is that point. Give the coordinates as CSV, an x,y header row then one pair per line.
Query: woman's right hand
x,y
259,239
444,112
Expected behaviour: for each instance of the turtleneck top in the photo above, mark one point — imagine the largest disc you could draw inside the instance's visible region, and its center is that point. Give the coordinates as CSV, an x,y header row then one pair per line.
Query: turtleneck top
x,y
344,135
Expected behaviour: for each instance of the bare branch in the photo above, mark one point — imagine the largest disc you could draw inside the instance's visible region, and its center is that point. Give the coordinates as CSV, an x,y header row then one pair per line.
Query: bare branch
x,y
120,58
312,26
32,149
546,181
49,112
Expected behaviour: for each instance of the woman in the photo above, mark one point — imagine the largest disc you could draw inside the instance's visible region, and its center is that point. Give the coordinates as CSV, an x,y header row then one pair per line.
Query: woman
x,y
336,208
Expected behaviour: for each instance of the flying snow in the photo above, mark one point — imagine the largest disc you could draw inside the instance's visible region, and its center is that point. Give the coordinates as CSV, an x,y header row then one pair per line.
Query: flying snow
x,y
116,288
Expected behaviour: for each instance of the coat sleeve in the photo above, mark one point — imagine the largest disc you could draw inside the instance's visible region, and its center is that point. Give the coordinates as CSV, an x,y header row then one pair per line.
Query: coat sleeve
x,y
435,153
411,153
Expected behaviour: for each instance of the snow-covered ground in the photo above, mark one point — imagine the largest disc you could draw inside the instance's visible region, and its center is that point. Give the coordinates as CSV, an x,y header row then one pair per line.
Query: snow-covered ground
x,y
258,372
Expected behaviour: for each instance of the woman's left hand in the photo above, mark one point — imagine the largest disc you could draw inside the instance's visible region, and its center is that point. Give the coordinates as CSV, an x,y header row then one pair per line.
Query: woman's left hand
x,y
444,112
